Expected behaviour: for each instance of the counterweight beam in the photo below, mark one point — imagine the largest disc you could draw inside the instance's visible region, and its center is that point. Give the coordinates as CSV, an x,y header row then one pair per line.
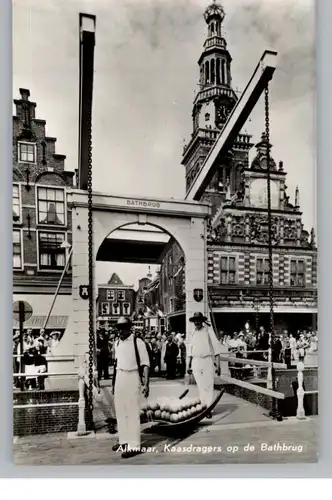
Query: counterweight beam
x,y
237,118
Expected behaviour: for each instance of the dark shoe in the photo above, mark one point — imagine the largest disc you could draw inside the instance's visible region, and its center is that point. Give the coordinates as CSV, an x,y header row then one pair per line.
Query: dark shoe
x,y
117,447
131,453
111,429
110,420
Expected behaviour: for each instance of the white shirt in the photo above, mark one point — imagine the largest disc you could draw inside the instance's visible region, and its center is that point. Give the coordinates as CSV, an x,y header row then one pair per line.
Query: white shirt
x,y
234,343
125,354
203,343
241,344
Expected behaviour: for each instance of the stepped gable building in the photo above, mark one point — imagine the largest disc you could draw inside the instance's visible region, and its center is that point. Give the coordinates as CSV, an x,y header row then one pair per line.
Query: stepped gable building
x,y
237,241
41,218
115,299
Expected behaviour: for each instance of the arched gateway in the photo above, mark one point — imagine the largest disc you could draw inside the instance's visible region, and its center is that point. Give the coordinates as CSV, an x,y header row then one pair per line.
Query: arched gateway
x,y
184,220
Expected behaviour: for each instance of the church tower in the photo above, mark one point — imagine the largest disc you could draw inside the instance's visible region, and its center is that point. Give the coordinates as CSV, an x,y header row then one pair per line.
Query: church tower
x,y
213,103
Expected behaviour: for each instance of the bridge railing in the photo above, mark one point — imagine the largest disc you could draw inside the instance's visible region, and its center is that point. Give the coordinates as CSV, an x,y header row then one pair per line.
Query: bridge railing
x,y
300,412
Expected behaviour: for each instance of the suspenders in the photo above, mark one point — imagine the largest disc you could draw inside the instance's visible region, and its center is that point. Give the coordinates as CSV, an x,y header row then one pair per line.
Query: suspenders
x,y
138,361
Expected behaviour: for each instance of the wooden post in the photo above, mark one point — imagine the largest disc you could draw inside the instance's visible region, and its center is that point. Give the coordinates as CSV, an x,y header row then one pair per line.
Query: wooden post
x,y
81,427
300,414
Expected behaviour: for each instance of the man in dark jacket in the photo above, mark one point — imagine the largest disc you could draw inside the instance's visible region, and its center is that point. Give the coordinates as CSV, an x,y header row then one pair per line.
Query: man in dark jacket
x,y
171,355
276,350
102,355
263,344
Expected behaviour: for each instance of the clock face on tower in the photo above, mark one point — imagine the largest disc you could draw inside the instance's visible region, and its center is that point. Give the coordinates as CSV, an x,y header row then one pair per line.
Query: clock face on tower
x,y
222,113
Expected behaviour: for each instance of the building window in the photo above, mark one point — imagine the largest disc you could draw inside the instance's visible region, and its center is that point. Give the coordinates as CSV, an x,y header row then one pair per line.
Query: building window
x,y
17,249
116,309
26,152
121,295
228,271
51,253
105,308
51,206
110,295
297,273
262,271
16,203
126,308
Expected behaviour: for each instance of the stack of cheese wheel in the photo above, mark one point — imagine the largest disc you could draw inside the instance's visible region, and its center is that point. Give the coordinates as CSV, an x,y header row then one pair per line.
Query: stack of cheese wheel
x,y
171,410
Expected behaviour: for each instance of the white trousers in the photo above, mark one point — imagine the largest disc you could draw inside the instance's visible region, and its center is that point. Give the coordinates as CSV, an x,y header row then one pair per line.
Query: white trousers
x,y
203,370
127,398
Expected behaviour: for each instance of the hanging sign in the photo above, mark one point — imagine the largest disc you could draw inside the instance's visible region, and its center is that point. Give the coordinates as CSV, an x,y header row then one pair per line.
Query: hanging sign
x,y
198,294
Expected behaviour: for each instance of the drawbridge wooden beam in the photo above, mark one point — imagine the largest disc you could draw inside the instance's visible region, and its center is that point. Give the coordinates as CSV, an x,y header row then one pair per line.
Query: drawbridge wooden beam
x,y
237,118
248,361
252,387
86,54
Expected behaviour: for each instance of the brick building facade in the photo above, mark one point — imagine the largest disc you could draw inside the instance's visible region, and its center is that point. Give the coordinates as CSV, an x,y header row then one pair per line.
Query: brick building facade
x,y
237,240
115,299
41,218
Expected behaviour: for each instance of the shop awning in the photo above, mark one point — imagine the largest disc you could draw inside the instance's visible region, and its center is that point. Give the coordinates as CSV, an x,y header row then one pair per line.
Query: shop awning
x,y
54,322
266,309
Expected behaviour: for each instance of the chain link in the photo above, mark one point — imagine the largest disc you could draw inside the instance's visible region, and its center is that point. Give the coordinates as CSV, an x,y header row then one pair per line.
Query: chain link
x,y
269,213
90,257
275,411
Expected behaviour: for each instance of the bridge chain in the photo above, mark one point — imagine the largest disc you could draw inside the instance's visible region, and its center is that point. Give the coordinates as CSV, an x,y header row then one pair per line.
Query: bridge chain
x,y
90,264
275,411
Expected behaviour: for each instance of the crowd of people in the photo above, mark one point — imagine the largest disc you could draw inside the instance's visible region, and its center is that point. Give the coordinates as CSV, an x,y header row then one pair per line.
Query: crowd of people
x,y
287,348
167,352
37,344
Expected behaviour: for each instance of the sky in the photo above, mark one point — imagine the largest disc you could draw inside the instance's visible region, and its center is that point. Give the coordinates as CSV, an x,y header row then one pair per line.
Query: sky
x,y
146,76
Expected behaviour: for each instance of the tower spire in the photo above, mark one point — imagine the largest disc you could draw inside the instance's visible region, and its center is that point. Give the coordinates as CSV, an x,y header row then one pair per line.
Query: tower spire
x,y
213,102
215,81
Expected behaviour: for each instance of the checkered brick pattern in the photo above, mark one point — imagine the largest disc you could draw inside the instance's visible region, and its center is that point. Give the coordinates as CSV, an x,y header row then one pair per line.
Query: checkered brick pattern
x,y
210,267
275,260
281,270
240,268
287,270
308,271
247,269
252,269
314,271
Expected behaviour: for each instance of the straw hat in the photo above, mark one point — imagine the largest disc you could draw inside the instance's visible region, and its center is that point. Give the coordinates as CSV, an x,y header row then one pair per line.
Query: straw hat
x,y
198,316
123,323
